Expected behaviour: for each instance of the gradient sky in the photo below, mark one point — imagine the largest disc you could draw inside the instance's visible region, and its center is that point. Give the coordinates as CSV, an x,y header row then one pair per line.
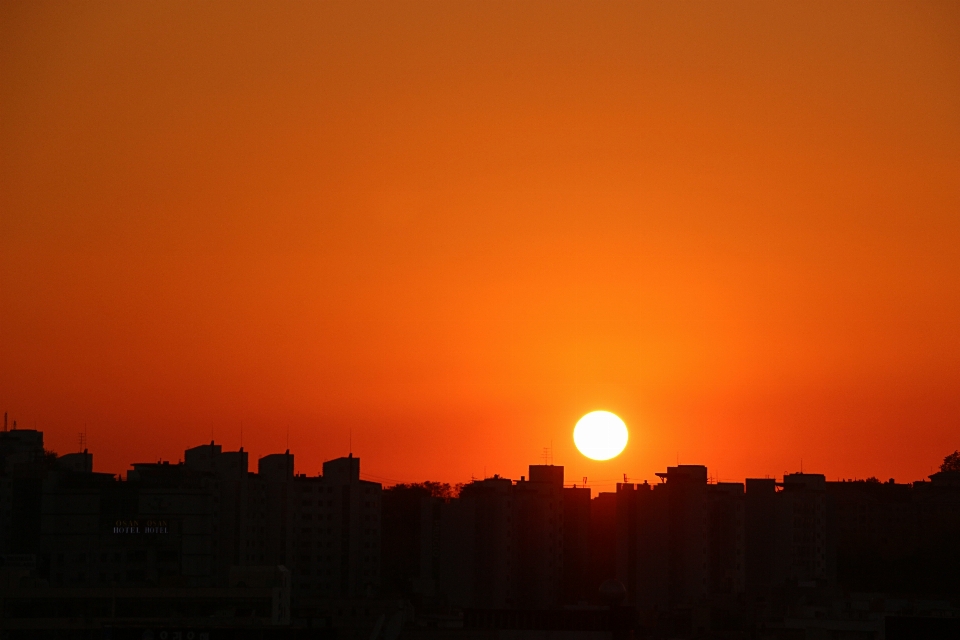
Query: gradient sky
x,y
454,228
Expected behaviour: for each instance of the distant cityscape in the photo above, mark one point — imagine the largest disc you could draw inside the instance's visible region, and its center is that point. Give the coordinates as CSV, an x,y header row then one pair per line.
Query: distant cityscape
x,y
207,548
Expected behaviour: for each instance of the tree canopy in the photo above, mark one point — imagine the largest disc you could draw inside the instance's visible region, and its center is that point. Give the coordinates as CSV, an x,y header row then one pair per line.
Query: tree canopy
x,y
951,462
436,489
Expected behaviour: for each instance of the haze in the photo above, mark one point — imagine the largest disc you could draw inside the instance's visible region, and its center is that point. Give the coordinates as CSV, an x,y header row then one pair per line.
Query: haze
x,y
449,230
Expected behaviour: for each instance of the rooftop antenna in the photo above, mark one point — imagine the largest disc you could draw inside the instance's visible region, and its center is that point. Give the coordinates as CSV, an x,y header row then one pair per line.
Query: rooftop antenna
x,y
4,421
241,434
351,442
288,436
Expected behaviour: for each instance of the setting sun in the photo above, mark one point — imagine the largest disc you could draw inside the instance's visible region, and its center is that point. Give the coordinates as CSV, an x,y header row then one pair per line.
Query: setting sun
x,y
600,435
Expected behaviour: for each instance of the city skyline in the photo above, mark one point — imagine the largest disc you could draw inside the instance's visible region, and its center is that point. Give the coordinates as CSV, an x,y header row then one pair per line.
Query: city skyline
x,y
452,230
215,545
643,317
545,458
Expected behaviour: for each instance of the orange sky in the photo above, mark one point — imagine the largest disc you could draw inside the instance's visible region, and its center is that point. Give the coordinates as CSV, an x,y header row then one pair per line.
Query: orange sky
x,y
454,228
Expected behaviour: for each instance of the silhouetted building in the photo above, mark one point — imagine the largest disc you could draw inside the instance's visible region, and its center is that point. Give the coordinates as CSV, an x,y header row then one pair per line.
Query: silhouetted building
x,y
23,466
193,524
238,506
538,534
803,528
686,487
276,472
411,542
642,544
577,553
603,542
280,547
20,449
335,531
760,532
898,538
77,462
663,542
727,569
478,549
154,529
522,544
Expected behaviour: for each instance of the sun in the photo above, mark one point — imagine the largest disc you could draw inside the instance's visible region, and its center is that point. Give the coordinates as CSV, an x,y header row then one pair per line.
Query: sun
x,y
600,435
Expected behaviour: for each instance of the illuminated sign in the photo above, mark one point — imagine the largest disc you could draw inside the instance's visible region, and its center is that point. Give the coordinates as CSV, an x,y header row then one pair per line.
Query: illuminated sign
x,y
126,526
136,527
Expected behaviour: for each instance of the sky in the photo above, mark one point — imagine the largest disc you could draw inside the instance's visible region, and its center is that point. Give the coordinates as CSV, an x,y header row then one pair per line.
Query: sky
x,y
439,233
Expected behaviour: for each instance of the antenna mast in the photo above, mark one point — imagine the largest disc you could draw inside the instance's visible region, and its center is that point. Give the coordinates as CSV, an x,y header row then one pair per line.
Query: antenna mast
x,y
547,454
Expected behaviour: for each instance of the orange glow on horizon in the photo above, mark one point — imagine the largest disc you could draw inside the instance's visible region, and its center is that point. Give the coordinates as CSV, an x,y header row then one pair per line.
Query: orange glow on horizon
x,y
453,229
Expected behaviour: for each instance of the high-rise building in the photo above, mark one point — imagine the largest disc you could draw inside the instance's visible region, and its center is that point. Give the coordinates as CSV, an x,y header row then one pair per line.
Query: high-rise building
x,y
239,504
538,532
507,544
802,529
276,472
22,468
787,526
19,449
725,503
338,532
199,523
686,487
577,575
642,544
602,542
478,554
760,533
162,528
888,536
663,539
410,544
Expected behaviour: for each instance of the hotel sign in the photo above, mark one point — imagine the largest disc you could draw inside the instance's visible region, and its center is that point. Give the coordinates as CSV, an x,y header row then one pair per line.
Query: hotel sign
x,y
139,527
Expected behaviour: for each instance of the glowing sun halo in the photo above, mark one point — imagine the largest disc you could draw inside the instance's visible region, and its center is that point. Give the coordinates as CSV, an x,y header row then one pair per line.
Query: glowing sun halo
x,y
600,435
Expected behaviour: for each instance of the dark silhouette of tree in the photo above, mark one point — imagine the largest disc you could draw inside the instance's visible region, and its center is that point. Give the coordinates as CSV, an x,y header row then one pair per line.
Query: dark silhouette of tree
x,y
441,490
49,459
951,462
